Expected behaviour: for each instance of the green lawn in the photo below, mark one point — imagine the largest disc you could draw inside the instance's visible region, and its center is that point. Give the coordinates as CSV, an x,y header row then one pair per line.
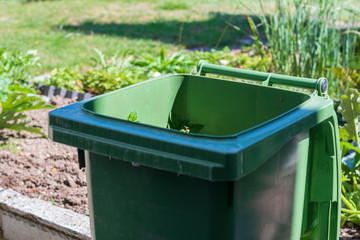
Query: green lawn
x,y
65,32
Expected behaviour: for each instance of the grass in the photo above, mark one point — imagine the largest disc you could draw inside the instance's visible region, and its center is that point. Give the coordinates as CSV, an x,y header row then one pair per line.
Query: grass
x,y
67,39
139,26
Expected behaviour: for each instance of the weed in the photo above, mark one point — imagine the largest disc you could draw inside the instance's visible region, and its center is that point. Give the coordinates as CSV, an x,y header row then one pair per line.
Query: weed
x,y
177,62
183,125
247,58
133,116
69,78
11,146
108,74
16,65
112,74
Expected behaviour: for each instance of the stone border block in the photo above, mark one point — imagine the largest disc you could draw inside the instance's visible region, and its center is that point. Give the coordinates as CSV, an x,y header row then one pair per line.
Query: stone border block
x,y
27,218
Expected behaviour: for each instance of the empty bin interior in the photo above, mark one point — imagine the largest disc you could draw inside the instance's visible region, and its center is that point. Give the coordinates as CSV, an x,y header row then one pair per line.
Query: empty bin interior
x,y
221,107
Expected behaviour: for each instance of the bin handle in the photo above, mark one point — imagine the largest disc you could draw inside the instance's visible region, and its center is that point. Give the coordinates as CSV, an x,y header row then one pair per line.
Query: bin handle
x,y
320,85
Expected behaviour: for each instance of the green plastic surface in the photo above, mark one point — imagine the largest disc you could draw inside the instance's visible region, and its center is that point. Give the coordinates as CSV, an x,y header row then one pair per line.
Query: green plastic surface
x,y
265,165
223,107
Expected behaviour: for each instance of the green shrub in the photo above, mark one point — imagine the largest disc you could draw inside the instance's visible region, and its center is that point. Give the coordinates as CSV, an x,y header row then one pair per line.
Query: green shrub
x,y
118,71
247,58
69,78
107,75
16,96
16,66
111,74
99,81
348,78
177,62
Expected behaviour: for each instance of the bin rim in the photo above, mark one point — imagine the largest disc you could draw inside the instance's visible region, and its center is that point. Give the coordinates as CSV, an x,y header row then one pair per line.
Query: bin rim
x,y
201,135
208,157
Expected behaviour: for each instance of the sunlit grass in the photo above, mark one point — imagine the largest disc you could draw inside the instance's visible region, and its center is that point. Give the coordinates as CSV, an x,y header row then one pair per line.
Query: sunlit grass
x,y
65,32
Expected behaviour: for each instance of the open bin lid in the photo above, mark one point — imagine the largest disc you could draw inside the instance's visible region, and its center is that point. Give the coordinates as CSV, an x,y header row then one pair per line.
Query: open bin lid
x,y
212,157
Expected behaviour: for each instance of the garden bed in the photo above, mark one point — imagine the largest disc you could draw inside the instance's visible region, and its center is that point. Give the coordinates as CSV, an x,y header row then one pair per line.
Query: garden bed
x,y
37,167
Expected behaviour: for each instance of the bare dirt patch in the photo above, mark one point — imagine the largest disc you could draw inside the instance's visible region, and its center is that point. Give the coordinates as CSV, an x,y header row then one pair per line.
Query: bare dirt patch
x,y
349,231
40,168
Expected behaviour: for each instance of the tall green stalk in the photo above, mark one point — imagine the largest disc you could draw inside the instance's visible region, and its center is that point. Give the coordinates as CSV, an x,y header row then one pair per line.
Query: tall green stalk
x,y
305,38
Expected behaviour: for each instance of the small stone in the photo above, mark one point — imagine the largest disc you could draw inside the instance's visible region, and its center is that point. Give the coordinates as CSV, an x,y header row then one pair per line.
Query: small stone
x,y
156,74
349,225
70,182
224,62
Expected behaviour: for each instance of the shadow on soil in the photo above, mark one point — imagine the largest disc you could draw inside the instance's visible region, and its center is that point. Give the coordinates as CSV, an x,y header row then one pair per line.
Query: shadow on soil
x,y
196,34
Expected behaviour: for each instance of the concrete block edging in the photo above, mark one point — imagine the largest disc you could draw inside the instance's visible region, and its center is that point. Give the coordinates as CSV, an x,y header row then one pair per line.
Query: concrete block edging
x,y
24,218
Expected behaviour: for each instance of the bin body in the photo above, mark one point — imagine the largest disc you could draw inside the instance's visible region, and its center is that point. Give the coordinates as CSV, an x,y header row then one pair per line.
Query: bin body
x,y
264,166
150,204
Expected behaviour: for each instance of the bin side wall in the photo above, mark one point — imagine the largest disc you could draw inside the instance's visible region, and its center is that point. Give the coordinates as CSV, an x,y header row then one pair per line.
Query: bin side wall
x,y
227,107
137,202
151,101
264,200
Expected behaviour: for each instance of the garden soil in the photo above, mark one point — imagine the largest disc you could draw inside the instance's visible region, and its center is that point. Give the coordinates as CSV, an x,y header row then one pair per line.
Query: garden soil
x,y
40,168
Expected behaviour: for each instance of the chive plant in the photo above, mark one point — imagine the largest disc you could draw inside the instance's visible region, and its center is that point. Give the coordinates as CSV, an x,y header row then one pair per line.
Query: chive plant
x,y
307,38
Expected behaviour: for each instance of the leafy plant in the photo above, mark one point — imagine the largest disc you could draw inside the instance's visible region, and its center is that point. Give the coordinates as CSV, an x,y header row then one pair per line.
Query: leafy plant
x,y
120,70
68,77
348,78
350,154
183,125
350,110
16,66
16,96
11,146
177,62
247,58
112,74
14,100
173,123
107,75
132,117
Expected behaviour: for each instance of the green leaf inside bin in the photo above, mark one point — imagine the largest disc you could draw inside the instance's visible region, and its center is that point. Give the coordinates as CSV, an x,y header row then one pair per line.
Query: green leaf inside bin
x,y
173,123
132,116
183,125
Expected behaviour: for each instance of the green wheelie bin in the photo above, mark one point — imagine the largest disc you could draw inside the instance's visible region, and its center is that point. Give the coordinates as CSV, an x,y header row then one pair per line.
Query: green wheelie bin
x,y
256,157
